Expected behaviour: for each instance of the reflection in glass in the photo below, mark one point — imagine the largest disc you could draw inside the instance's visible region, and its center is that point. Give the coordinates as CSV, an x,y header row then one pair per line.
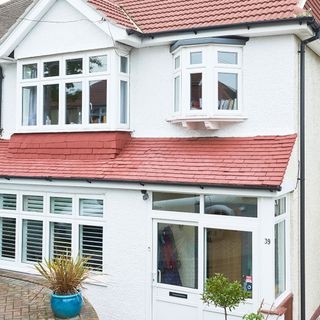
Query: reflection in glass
x,y
177,62
74,103
74,66
196,91
227,91
280,206
29,71
176,202
227,57
230,253
227,205
178,255
280,258
29,106
51,69
98,101
124,64
98,63
176,94
50,104
196,57
123,102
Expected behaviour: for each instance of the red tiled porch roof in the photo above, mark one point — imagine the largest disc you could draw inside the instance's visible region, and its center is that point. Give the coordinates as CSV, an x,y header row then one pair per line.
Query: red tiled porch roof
x,y
242,162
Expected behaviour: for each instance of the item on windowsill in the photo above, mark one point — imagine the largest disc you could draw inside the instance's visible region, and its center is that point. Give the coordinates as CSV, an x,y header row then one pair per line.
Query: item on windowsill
x,y
64,276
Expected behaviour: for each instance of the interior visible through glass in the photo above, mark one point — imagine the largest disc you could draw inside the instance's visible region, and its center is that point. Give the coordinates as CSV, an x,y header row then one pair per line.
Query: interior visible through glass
x,y
176,202
50,104
74,103
29,106
51,69
98,101
227,91
29,71
196,91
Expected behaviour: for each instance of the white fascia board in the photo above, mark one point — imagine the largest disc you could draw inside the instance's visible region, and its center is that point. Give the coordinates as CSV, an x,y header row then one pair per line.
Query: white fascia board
x,y
83,186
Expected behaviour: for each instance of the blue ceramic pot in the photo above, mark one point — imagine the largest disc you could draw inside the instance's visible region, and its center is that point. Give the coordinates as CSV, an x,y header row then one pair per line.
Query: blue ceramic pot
x,y
66,306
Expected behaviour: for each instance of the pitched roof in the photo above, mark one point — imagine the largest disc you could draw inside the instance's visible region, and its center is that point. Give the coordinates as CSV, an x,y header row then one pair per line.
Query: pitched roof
x,y
242,162
314,7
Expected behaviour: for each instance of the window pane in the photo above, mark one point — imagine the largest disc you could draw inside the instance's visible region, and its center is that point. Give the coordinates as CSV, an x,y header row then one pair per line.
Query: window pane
x,y
50,104
32,240
98,63
228,91
178,255
176,94
123,101
280,258
51,69
29,106
74,103
176,202
8,238
74,66
177,62
91,207
227,57
60,239
196,91
230,253
33,203
124,64
196,57
98,101
280,206
91,245
30,71
60,205
231,206
8,201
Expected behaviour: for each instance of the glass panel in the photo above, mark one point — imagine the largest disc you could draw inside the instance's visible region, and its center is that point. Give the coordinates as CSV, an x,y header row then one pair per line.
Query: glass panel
x,y
8,238
29,106
30,71
60,239
33,203
280,206
91,207
178,255
98,63
196,91
176,94
51,69
74,66
74,103
176,202
51,104
124,64
8,201
123,101
91,245
280,258
177,62
227,205
230,253
196,57
60,205
32,240
227,91
98,101
227,57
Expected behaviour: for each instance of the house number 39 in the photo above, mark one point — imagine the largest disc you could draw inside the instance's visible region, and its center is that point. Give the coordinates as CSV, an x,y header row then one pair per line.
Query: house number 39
x,y
267,241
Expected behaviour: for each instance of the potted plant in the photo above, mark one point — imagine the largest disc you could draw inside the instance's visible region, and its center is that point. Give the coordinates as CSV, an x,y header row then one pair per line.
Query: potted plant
x,y
223,293
64,276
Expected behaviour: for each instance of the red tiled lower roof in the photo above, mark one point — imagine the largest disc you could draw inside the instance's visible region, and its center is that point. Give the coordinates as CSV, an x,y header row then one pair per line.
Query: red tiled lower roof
x,y
314,7
243,162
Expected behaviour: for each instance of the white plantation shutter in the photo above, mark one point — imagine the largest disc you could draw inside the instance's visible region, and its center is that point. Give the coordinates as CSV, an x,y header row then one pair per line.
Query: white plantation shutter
x,y
91,245
61,205
60,239
8,201
8,238
33,203
32,240
91,207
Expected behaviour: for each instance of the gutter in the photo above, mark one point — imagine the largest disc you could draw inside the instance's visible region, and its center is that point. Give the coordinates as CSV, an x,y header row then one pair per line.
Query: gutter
x,y
302,52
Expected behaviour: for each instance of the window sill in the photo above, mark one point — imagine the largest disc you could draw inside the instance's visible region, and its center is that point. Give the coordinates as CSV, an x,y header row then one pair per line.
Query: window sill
x,y
205,122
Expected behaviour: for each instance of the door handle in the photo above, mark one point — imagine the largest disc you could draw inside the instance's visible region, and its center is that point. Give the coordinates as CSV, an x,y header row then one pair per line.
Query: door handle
x,y
159,276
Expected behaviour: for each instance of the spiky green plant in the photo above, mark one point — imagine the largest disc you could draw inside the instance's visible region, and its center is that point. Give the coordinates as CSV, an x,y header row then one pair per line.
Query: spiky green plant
x,y
64,275
253,316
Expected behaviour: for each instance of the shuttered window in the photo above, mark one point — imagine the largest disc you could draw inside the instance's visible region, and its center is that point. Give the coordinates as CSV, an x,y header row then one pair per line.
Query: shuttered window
x,y
91,245
8,201
33,203
60,236
61,205
91,207
8,238
32,240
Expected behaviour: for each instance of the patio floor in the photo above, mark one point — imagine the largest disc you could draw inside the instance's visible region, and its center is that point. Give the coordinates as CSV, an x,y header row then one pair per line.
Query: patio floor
x,y
23,297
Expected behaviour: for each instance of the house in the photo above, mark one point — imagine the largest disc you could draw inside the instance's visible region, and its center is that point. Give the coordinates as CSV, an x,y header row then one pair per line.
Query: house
x,y
167,141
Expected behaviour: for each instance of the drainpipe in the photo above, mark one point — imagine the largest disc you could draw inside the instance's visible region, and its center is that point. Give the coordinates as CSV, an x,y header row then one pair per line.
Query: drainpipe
x,y
1,79
302,173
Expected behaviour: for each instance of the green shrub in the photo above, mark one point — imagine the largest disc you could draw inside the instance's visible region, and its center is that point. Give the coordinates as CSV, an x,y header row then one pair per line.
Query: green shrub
x,y
253,316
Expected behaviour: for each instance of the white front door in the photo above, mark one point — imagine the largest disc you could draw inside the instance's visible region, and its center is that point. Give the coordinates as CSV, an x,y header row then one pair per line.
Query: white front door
x,y
175,270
